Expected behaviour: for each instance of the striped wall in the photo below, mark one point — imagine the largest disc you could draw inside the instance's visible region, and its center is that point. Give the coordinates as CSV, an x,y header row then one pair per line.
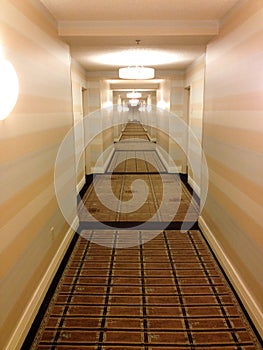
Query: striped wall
x,y
170,97
161,120
177,110
233,142
93,104
177,94
194,95
78,78
99,122
94,96
32,226
108,129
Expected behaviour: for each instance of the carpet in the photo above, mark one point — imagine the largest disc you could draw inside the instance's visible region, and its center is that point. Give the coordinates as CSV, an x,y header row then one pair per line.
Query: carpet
x,y
167,293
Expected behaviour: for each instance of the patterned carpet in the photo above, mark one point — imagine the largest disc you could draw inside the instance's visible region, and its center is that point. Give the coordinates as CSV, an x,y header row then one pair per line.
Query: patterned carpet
x,y
133,289
167,293
168,199
146,161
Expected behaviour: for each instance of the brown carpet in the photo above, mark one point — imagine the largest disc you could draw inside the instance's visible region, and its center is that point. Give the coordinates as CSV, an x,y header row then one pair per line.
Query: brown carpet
x,y
168,199
127,161
167,293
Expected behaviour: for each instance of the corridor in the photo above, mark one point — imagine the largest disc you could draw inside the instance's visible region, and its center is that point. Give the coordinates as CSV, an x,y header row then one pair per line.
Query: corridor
x,y
135,279
131,199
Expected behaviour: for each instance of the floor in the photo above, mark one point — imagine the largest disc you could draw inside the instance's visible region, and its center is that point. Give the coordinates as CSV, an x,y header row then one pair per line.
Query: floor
x,y
135,279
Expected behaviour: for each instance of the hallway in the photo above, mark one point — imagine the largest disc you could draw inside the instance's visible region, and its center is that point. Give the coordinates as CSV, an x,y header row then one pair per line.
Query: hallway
x,y
141,287
167,200
97,157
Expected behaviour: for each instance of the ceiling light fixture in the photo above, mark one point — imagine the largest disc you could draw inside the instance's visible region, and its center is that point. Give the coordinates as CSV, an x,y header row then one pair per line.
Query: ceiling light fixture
x,y
136,71
134,94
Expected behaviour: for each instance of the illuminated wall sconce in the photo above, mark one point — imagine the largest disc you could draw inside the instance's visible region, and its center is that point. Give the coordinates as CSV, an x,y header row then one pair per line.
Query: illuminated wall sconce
x,y
9,87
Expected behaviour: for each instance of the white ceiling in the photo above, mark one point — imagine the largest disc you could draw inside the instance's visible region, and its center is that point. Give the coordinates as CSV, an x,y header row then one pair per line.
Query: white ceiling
x,y
181,28
112,10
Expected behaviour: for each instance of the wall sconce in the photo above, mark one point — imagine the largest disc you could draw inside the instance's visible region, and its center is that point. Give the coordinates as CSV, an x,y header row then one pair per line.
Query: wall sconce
x,y
9,87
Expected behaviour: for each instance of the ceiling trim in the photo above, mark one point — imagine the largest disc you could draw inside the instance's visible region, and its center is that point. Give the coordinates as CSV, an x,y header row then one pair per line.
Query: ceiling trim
x,y
131,28
134,86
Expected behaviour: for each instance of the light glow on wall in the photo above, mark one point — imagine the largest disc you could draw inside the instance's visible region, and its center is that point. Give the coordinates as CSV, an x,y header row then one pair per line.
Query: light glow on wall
x,y
107,104
9,87
163,105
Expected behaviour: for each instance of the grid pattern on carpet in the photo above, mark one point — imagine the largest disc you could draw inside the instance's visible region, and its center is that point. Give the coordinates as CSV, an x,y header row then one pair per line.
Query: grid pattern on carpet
x,y
134,131
134,127
133,137
136,162
136,145
168,199
167,293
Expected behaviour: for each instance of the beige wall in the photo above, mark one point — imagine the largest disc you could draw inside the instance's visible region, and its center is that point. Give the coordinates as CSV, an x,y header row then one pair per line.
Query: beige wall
x,y
233,144
93,150
78,78
94,95
98,125
108,130
170,97
30,138
194,81
106,94
177,94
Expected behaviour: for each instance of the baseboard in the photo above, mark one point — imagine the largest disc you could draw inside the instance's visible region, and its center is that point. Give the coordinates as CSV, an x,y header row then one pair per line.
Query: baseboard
x,y
162,158
194,185
106,164
97,170
33,306
81,184
252,308
174,169
152,139
117,139
170,169
102,168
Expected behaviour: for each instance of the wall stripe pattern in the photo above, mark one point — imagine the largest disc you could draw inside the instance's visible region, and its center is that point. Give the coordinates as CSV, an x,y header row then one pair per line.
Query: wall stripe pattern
x,y
194,79
177,109
93,104
78,78
30,138
233,143
99,122
170,97
177,94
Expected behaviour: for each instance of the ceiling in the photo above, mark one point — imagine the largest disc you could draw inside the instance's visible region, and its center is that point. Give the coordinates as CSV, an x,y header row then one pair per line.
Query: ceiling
x,y
179,28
